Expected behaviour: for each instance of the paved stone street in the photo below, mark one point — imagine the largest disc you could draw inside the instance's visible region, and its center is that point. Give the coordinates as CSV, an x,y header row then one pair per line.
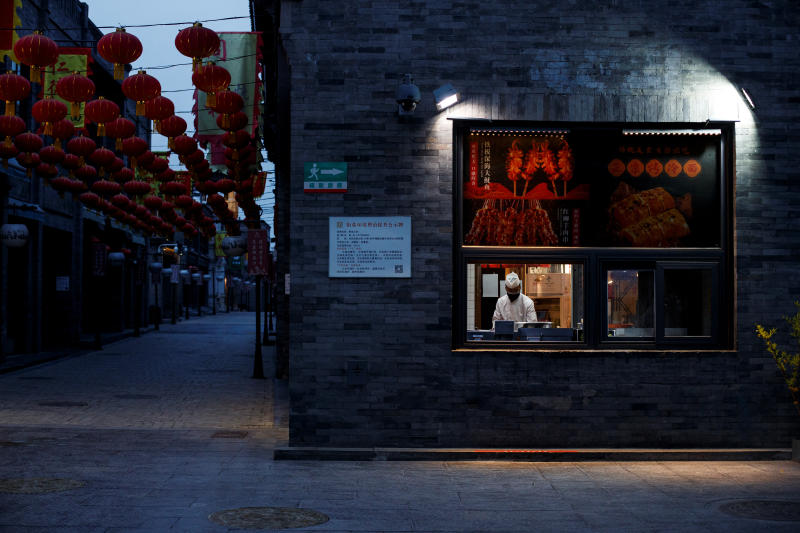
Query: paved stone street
x,y
167,431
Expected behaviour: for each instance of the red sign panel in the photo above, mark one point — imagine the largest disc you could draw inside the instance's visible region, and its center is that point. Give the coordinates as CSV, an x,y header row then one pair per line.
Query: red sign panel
x,y
258,252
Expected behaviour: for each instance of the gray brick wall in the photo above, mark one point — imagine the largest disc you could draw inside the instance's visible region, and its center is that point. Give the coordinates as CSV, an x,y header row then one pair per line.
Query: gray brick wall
x,y
613,60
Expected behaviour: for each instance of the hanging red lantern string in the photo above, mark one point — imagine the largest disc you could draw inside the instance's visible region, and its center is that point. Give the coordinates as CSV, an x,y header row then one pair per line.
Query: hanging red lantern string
x,y
106,188
63,130
156,165
228,103
36,51
75,89
28,160
119,48
120,129
28,142
13,87
152,202
86,173
101,159
182,145
71,162
123,175
145,158
197,42
101,111
48,111
158,109
10,126
46,170
133,147
137,188
52,155
140,88
81,146
235,121
116,165
7,152
171,127
211,79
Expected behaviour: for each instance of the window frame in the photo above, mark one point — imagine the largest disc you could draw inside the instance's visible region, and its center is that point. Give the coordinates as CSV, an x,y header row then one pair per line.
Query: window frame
x,y
595,260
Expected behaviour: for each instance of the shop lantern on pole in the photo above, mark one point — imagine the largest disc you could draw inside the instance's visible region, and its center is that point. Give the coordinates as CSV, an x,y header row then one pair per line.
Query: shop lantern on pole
x,y
101,112
140,88
48,111
158,109
75,89
197,42
211,79
13,87
63,130
119,48
38,52
10,126
14,235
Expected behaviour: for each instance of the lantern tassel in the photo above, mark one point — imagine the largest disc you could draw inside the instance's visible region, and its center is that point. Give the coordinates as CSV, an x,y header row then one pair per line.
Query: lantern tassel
x,y
119,144
211,99
170,143
11,108
197,62
101,130
157,124
57,143
119,71
139,108
48,128
8,140
75,109
133,163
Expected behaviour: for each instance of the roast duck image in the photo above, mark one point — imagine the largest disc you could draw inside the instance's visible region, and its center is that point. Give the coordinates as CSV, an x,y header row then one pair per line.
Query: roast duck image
x,y
650,218
519,223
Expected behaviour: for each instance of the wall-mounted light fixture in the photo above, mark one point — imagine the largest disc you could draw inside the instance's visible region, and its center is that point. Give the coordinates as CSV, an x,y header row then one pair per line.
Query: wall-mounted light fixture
x,y
407,96
445,96
748,99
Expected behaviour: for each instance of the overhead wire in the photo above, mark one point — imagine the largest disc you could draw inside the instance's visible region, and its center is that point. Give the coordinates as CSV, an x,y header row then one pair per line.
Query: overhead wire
x,y
183,23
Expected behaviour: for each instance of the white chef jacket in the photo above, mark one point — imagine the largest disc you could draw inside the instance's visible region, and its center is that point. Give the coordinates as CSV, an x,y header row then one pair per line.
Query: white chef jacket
x,y
520,310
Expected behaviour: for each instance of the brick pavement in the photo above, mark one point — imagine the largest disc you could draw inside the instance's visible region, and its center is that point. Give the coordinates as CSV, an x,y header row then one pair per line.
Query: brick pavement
x,y
157,433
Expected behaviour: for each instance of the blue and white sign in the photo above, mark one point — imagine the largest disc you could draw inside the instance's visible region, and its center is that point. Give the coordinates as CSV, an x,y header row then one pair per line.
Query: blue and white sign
x,y
371,247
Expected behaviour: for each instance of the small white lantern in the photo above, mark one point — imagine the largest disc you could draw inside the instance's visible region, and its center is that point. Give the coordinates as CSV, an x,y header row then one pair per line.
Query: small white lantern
x,y
233,246
14,235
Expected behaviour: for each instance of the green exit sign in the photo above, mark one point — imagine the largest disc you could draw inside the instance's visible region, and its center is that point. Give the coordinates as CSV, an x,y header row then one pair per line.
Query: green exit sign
x,y
325,177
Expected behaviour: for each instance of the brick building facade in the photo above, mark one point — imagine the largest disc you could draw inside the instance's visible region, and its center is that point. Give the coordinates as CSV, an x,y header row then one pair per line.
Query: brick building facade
x,y
384,361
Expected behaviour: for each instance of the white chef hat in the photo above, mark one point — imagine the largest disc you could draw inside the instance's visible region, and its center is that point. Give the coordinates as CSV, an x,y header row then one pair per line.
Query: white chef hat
x,y
512,281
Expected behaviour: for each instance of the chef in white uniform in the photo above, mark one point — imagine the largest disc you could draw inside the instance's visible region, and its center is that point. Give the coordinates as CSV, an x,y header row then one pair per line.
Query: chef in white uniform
x,y
514,305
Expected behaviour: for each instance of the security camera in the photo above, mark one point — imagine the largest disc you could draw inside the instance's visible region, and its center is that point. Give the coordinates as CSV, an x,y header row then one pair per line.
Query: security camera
x,y
407,95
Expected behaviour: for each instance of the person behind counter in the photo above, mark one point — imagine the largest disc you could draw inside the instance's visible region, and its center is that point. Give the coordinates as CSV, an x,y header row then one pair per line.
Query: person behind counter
x,y
514,305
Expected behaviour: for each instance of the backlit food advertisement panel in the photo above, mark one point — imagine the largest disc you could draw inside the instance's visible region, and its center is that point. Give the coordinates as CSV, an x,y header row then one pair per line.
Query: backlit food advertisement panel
x,y
597,186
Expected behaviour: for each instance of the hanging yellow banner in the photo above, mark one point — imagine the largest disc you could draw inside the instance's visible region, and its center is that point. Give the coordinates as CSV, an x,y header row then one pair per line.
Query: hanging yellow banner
x,y
70,60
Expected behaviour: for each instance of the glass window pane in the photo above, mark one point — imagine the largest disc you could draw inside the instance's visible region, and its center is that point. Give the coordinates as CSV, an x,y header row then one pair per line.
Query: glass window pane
x,y
687,302
555,292
630,303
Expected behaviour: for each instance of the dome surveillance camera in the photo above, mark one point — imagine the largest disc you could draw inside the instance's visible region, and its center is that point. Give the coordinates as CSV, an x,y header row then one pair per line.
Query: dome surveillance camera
x,y
407,95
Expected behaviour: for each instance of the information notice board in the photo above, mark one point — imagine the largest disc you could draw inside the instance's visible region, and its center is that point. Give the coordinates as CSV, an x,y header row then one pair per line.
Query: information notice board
x,y
376,247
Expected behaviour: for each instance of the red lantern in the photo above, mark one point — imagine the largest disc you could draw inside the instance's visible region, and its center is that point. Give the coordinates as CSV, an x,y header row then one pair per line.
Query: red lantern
x,y
184,201
46,170
62,130
28,160
228,103
137,188
119,48
152,202
182,145
71,162
123,175
102,158
52,155
197,42
101,111
90,199
120,129
158,109
12,88
62,184
81,146
28,142
10,126
236,139
235,121
174,188
120,200
211,79
75,89
145,159
134,147
106,188
116,165
48,111
225,185
171,127
158,164
194,158
37,51
140,88
165,175
86,173
7,152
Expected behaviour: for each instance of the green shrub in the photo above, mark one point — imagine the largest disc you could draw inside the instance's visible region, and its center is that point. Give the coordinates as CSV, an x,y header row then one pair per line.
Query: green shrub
x,y
788,363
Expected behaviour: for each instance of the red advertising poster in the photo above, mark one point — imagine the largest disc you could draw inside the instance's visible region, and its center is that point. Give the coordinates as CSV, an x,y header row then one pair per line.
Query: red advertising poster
x,y
258,252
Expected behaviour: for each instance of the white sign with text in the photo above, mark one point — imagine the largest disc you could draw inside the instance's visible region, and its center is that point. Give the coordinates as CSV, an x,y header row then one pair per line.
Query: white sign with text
x,y
371,247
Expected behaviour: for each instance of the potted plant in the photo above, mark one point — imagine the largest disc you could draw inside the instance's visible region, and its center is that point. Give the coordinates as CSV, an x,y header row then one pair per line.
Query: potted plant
x,y
788,363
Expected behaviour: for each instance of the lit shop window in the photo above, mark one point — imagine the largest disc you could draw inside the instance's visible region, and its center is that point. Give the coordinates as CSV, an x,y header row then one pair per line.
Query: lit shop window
x,y
550,306
631,298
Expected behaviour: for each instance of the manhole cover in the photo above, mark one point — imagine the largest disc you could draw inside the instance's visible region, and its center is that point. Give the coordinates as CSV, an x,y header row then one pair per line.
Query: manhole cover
x,y
63,404
764,510
268,518
38,485
136,396
229,435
